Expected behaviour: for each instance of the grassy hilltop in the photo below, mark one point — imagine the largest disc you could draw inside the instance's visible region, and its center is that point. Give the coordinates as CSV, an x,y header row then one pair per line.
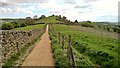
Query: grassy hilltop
x,y
50,19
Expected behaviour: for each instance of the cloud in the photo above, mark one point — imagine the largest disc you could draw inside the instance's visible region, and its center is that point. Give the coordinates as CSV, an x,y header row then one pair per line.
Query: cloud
x,y
83,12
97,11
82,6
72,9
87,1
28,1
4,4
70,1
17,9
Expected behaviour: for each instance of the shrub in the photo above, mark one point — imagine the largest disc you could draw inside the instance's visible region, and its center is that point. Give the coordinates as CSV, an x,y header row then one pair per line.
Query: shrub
x,y
42,17
15,24
99,26
108,28
83,49
92,53
118,30
111,57
75,43
112,46
86,24
23,25
7,26
29,21
100,60
115,29
59,55
104,54
99,53
107,65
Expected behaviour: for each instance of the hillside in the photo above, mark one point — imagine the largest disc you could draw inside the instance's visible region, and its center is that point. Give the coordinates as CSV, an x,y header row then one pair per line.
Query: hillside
x,y
50,19
8,20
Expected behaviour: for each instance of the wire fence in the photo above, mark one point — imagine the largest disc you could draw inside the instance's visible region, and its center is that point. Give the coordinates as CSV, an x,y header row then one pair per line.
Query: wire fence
x,y
67,42
66,45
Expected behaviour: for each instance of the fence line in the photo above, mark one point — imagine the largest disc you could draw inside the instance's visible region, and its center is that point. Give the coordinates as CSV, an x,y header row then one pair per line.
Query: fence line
x,y
62,40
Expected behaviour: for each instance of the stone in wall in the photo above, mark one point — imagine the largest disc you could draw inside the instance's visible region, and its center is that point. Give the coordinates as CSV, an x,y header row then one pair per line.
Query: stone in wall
x,y
11,41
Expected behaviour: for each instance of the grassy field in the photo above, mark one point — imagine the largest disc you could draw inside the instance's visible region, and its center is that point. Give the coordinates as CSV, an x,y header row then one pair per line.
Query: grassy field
x,y
38,26
8,20
2,21
100,50
51,19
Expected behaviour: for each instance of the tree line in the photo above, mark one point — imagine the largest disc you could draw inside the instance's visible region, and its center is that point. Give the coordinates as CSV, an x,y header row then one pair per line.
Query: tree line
x,y
21,22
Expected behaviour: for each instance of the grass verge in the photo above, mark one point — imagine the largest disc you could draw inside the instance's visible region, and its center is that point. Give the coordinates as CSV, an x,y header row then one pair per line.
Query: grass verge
x,y
59,55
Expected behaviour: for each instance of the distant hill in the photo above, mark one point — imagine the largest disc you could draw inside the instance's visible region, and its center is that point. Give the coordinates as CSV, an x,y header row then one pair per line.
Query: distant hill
x,y
8,20
50,19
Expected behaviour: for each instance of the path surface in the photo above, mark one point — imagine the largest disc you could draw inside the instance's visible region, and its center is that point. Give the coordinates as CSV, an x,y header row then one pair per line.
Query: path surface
x,y
41,55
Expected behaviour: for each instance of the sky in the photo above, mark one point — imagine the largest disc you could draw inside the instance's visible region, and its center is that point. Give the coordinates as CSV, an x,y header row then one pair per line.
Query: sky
x,y
81,10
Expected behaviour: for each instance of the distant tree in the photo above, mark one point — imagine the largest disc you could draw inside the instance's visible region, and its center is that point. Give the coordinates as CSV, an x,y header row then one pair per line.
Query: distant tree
x,y
28,18
86,24
42,17
53,15
89,21
76,21
59,17
29,21
68,20
64,18
35,17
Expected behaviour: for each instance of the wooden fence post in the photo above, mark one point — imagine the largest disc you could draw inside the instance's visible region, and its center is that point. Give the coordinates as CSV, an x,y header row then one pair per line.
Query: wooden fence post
x,y
69,46
63,42
71,56
59,37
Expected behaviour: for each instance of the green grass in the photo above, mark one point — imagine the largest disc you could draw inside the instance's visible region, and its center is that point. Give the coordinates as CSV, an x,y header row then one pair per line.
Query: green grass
x,y
51,19
59,55
2,21
38,26
91,41
62,28
94,41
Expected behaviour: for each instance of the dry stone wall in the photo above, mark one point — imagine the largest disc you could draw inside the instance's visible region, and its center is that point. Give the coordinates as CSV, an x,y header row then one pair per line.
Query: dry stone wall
x,y
12,41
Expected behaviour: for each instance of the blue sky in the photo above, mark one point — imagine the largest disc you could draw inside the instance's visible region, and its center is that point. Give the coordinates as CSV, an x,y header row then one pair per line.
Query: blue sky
x,y
82,10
